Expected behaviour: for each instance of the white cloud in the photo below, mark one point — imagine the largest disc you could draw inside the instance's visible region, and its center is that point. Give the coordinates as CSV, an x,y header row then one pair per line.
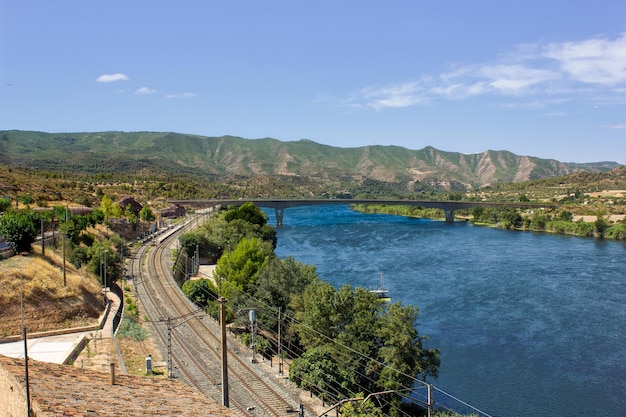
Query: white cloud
x,y
144,90
181,95
621,126
515,79
596,61
594,67
109,78
535,104
395,96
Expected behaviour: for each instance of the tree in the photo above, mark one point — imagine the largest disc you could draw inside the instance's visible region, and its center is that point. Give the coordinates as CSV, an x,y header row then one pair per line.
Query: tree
x,y
511,219
116,211
200,291
146,214
600,225
374,346
26,199
19,229
131,217
403,353
277,281
5,203
359,331
316,314
477,212
240,267
103,255
361,408
566,215
248,212
106,205
317,369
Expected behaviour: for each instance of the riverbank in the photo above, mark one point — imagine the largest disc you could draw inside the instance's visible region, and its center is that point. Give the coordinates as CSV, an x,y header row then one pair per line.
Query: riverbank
x,y
611,226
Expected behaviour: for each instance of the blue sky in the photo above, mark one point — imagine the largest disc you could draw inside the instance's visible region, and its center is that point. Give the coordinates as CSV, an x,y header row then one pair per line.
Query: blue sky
x,y
540,78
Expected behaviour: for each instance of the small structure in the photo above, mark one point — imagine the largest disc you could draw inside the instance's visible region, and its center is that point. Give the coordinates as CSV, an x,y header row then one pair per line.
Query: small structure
x,y
172,211
382,292
126,201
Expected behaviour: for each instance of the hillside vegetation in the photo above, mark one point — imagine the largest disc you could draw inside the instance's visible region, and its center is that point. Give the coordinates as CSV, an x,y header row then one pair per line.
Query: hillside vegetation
x,y
212,158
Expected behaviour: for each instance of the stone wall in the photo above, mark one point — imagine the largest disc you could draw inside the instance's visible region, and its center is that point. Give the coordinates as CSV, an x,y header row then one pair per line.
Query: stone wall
x,y
12,393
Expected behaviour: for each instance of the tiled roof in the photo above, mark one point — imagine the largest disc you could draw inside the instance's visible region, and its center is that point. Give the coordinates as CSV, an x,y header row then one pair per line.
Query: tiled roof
x,y
62,390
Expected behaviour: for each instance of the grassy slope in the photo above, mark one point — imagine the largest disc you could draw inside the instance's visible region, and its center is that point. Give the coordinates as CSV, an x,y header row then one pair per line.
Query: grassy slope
x,y
48,305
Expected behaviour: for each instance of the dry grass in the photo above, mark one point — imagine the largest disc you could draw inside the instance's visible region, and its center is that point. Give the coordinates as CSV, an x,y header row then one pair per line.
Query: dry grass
x,y
48,304
43,278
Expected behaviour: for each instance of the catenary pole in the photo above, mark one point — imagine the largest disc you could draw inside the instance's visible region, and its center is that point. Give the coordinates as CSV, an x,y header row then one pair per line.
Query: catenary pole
x,y
29,412
223,302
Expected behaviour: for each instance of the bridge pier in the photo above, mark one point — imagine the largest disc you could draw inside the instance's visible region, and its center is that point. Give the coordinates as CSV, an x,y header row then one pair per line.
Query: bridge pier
x,y
280,213
449,216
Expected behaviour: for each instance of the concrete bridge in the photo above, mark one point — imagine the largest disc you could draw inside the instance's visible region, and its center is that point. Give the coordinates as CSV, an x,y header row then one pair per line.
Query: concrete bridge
x,y
279,205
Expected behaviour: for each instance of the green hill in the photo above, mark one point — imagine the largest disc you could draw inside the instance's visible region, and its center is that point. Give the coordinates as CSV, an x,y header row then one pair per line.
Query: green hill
x,y
174,153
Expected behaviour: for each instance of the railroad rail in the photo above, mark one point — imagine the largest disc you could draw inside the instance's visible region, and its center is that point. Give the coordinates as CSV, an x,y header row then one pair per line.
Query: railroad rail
x,y
194,340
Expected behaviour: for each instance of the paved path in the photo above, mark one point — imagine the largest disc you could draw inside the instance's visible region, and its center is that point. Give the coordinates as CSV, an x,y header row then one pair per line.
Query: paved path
x,y
61,348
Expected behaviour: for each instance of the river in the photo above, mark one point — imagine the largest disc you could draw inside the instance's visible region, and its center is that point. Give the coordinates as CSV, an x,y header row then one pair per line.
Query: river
x,y
529,324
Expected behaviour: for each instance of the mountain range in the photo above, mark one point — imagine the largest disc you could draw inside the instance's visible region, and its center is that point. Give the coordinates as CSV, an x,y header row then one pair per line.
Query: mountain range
x,y
165,152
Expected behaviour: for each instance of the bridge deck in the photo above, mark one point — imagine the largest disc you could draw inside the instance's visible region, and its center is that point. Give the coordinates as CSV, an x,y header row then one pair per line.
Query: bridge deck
x,y
279,205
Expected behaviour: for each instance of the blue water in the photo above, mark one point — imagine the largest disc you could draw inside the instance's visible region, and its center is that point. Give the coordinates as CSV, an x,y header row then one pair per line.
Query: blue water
x,y
528,324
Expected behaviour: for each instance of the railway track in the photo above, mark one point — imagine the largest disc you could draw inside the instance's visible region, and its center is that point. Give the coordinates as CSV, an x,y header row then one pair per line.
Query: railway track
x,y
194,338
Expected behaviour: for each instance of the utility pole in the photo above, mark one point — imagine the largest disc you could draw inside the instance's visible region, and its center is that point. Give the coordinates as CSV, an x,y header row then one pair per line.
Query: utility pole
x,y
280,343
43,239
252,314
170,370
29,412
63,243
431,408
63,250
105,276
223,302
170,327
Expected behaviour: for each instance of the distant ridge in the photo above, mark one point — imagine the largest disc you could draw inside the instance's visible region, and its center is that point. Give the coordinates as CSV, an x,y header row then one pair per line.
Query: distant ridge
x,y
134,152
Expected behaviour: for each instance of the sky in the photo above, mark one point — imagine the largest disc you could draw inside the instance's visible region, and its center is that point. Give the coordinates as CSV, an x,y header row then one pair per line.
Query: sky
x,y
534,77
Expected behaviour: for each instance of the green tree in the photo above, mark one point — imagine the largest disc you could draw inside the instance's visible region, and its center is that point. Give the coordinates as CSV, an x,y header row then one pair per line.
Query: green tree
x,y
316,314
511,219
248,212
146,214
317,369
566,215
26,199
106,205
601,225
538,221
19,229
200,291
361,408
359,331
478,212
130,215
403,352
240,267
277,281
374,346
105,261
116,211
5,203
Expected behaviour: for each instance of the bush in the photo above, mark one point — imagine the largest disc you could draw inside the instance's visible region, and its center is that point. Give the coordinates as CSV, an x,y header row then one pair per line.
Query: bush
x,y
131,329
